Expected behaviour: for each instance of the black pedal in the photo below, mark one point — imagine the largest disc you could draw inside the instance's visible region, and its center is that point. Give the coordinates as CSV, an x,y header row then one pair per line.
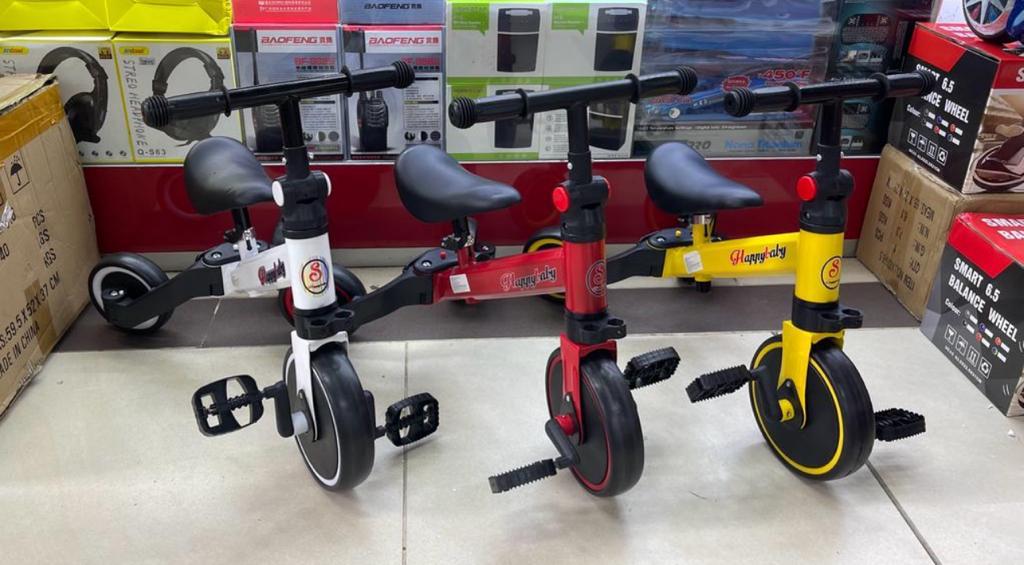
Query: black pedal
x,y
410,419
522,476
718,383
214,409
651,367
897,423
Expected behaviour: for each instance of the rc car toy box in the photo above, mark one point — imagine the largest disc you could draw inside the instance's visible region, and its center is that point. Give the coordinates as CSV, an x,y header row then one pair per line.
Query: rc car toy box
x,y
171,65
88,84
370,12
275,54
970,129
20,15
47,234
284,12
906,223
382,123
210,17
975,312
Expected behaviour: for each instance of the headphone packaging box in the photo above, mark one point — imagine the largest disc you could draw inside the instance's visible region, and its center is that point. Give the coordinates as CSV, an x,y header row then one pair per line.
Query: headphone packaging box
x,y
274,54
172,65
371,12
89,87
284,12
20,15
382,123
209,17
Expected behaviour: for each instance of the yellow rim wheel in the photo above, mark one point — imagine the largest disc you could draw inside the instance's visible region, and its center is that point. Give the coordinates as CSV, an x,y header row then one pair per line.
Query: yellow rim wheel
x,y
538,244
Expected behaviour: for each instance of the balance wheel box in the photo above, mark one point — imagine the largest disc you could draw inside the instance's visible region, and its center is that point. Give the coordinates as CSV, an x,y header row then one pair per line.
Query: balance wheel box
x,y
87,79
975,312
970,129
208,17
47,234
170,65
267,54
21,15
906,222
284,12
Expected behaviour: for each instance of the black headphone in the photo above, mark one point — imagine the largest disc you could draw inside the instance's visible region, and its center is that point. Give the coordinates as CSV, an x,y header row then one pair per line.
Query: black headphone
x,y
86,111
189,129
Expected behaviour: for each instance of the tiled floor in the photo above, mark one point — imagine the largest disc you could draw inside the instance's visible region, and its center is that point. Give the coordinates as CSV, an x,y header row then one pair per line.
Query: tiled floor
x,y
101,463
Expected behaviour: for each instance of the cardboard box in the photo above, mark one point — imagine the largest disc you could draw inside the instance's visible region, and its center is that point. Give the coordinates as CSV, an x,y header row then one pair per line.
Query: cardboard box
x,y
376,12
20,15
47,234
209,17
382,123
906,223
89,87
976,310
284,12
970,129
281,53
171,65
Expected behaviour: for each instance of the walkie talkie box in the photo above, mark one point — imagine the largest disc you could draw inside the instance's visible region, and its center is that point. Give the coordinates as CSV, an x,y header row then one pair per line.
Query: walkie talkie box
x,y
382,123
267,54
88,83
970,129
975,313
170,65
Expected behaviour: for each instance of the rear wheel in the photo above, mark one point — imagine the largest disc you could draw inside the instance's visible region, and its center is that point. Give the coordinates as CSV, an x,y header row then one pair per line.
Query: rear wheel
x,y
133,274
347,286
546,238
612,452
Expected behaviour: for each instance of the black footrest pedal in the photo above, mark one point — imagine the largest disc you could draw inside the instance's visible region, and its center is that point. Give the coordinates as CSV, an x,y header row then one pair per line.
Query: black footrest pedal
x,y
897,423
522,476
410,419
651,367
718,383
211,403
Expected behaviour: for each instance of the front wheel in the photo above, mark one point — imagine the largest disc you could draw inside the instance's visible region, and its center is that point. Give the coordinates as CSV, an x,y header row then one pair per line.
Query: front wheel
x,y
612,452
133,274
342,457
347,287
840,424
546,238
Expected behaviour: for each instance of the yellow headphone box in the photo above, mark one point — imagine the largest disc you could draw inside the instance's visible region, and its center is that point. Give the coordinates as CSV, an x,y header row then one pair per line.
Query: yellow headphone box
x,y
210,17
150,64
89,88
19,15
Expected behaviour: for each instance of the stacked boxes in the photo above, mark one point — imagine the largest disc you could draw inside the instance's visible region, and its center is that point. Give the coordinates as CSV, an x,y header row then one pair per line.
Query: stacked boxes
x,y
390,12
209,17
22,15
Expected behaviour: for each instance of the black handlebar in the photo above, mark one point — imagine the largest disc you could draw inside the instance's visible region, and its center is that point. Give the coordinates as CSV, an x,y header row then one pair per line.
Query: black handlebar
x,y
158,111
786,98
464,112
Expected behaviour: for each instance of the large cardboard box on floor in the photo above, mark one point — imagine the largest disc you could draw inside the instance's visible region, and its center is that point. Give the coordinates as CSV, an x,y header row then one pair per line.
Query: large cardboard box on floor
x,y
47,235
906,223
976,308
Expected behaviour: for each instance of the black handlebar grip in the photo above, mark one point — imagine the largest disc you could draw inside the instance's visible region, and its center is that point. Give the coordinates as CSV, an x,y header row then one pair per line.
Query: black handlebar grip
x,y
158,111
155,112
916,83
462,112
404,74
740,102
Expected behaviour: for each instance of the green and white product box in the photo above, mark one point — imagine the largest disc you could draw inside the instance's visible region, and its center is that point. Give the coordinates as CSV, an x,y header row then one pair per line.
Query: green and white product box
x,y
151,64
497,38
87,79
594,39
382,123
274,54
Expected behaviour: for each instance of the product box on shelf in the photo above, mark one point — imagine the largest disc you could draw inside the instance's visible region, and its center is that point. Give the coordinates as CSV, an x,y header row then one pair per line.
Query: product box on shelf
x,y
281,53
382,123
22,15
976,309
377,12
209,17
738,51
970,129
871,37
151,64
284,12
906,222
87,74
47,233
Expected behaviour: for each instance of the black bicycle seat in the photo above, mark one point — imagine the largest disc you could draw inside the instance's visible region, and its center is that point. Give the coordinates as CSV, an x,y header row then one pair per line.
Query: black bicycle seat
x,y
681,182
435,188
222,174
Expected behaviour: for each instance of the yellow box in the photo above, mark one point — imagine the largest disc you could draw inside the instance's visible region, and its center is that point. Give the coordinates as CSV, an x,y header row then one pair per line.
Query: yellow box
x,y
47,15
208,17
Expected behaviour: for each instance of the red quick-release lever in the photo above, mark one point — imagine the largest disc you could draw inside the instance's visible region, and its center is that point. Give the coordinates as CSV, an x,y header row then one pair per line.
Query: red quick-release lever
x,y
560,197
806,188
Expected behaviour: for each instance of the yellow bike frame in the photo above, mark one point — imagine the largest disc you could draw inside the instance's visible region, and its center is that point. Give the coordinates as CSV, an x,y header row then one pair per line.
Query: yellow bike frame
x,y
816,260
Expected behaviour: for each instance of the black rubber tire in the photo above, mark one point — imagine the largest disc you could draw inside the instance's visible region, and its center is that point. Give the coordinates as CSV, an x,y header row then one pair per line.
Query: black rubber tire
x,y
346,285
136,275
612,453
997,37
816,451
342,457
546,238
